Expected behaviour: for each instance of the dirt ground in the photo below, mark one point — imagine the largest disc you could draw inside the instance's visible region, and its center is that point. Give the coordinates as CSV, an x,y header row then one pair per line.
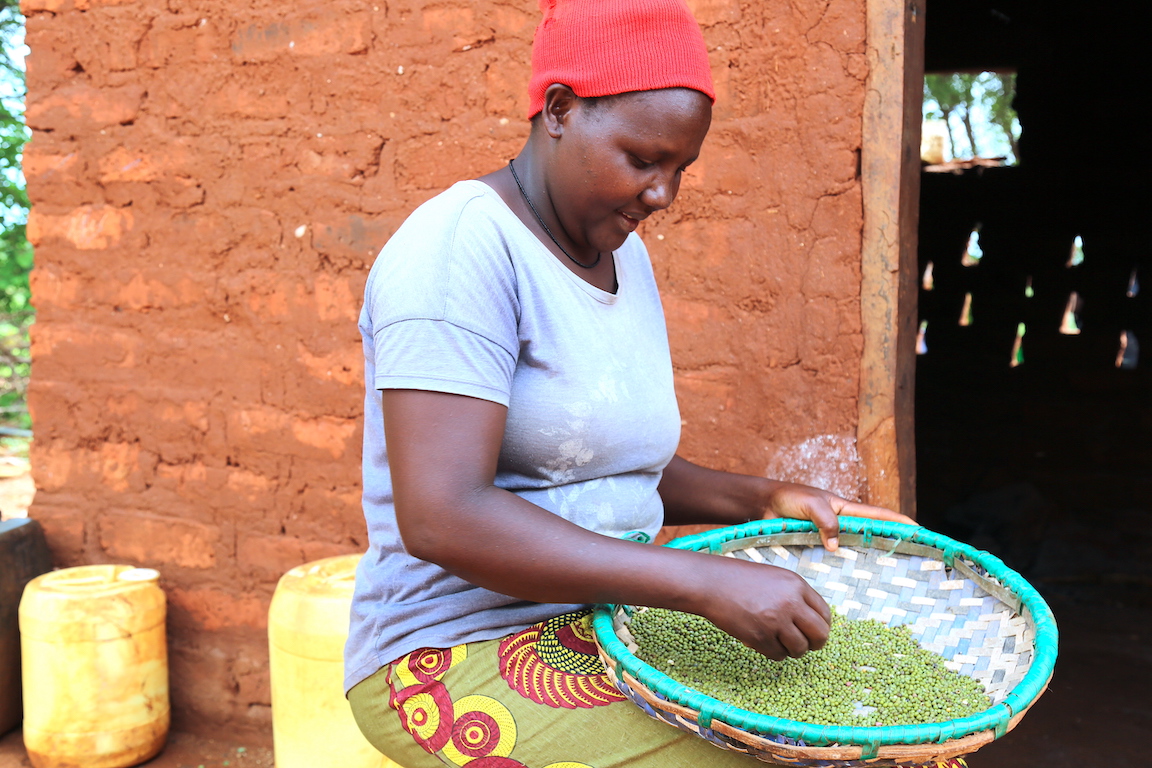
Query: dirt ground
x,y
183,751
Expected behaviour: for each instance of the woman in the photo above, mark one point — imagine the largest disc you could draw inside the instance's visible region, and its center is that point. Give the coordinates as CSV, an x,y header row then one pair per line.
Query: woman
x,y
518,372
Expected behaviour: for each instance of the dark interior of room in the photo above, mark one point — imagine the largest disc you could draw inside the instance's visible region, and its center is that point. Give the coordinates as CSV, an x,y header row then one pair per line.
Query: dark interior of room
x,y
1048,463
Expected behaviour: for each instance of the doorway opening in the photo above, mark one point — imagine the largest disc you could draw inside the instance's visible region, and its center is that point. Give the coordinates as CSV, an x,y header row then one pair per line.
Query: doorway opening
x,y
1033,406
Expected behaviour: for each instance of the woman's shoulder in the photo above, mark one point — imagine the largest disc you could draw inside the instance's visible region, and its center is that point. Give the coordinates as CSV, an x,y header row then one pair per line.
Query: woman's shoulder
x,y
455,198
466,222
452,245
470,203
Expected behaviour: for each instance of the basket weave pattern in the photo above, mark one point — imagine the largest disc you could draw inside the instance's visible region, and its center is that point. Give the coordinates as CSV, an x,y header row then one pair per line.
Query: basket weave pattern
x,y
962,604
950,614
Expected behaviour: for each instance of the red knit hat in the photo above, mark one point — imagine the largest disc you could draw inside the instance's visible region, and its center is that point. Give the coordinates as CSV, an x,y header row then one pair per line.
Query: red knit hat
x,y
604,47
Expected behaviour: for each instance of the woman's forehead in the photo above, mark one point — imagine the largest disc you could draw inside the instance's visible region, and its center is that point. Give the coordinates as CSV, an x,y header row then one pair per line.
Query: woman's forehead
x,y
669,116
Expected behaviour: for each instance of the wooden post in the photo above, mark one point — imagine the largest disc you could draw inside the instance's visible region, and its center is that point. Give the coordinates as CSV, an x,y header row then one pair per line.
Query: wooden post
x,y
890,167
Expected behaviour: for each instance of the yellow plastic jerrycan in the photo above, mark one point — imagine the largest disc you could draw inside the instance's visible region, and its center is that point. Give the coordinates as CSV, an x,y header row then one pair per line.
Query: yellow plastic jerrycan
x,y
312,723
95,667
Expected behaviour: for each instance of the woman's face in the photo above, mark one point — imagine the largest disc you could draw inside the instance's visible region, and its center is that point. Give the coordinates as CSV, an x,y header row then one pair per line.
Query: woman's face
x,y
615,162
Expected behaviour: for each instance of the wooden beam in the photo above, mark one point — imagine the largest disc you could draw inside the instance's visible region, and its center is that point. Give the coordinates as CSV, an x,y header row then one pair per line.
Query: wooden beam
x,y
890,168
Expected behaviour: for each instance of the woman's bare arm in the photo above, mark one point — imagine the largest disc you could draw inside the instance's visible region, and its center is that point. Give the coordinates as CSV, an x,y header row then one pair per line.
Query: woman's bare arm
x,y
443,452
696,495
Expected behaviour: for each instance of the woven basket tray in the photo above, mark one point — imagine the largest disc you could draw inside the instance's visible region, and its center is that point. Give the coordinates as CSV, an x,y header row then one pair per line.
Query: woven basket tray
x,y
964,604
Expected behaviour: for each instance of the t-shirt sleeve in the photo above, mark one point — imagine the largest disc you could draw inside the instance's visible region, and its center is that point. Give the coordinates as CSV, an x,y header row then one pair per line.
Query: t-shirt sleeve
x,y
438,356
442,304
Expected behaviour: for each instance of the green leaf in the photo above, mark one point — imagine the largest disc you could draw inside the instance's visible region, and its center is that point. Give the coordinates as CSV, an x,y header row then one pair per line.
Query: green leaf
x,y
16,315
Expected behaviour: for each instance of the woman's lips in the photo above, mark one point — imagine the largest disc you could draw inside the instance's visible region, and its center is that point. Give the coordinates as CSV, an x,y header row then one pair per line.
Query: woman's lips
x,y
629,222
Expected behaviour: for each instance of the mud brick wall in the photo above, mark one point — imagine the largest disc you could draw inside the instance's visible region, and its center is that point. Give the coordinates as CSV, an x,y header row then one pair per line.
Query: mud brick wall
x,y
210,183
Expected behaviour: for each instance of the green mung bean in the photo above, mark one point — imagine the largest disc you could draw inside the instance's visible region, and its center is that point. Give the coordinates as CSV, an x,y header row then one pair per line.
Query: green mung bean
x,y
867,673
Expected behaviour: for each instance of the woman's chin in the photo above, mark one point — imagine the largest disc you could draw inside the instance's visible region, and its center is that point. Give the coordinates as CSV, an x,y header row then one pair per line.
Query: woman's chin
x,y
608,243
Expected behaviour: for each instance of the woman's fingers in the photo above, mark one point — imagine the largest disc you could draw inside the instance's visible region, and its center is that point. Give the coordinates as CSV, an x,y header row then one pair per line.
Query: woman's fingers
x,y
805,503
828,524
830,529
772,649
770,609
814,630
794,641
823,508
817,603
856,509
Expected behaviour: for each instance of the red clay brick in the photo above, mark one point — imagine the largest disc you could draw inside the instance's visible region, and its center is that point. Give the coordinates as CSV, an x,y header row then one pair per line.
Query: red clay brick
x,y
214,608
158,541
82,107
270,555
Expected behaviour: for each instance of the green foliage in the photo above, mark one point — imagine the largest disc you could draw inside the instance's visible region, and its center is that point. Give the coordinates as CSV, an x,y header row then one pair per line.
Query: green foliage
x,y
948,91
999,91
16,313
983,104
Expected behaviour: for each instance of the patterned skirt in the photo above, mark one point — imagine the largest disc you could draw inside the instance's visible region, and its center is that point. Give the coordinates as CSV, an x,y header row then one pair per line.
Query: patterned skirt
x,y
537,699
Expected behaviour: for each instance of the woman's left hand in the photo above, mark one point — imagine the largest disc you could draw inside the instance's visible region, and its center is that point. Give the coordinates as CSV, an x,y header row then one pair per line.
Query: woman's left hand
x,y
803,502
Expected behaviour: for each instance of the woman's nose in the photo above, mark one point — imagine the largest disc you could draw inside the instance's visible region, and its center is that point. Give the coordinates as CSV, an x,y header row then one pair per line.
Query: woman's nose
x,y
660,193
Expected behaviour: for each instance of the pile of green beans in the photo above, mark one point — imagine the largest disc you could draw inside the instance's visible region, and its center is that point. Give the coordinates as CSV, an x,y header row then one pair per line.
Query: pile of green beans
x,y
867,674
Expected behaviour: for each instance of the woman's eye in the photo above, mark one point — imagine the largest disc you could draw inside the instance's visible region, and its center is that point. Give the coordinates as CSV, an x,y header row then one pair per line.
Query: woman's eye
x,y
641,164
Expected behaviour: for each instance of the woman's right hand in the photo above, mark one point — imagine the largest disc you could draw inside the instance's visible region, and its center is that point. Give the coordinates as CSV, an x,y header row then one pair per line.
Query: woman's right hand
x,y
771,610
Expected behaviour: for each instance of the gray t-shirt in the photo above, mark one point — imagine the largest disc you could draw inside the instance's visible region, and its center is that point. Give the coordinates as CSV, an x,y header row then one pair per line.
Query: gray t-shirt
x,y
464,299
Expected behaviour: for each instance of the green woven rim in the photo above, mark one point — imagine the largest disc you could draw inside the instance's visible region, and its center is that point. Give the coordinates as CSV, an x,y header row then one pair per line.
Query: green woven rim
x,y
995,718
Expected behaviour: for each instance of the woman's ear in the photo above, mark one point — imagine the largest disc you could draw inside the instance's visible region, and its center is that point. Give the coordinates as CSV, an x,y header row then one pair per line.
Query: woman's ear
x,y
559,103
